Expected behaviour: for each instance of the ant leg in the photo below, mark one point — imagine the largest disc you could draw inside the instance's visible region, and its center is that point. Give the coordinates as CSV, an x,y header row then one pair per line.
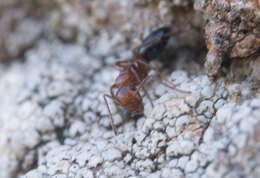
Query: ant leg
x,y
116,103
172,86
111,117
148,96
139,79
120,113
124,64
141,85
167,83
147,65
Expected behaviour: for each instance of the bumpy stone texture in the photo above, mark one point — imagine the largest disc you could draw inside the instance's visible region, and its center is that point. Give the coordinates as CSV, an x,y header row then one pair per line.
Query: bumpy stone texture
x,y
22,23
84,22
66,130
55,119
54,122
232,30
40,102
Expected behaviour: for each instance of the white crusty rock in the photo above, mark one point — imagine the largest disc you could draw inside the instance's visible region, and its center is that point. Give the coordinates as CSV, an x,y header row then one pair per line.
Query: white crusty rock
x,y
54,121
67,133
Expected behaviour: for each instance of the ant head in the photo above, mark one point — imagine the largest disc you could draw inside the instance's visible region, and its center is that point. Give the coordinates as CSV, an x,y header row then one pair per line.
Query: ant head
x,y
130,99
154,44
132,87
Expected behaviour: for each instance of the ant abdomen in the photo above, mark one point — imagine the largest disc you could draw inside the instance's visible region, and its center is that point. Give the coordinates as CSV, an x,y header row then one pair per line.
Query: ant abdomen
x,y
154,44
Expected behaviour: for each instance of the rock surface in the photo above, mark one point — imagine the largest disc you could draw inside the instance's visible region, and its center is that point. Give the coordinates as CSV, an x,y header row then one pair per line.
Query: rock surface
x,y
232,31
54,121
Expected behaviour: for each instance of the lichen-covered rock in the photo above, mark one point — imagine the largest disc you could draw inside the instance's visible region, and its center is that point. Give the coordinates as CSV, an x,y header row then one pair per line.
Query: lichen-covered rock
x,y
84,22
38,117
186,135
22,24
54,121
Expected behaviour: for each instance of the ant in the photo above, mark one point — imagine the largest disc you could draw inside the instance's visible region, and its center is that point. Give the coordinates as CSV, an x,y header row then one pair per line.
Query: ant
x,y
134,74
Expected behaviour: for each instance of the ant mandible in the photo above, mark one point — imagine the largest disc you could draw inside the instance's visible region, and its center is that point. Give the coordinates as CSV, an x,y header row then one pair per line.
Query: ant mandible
x,y
134,74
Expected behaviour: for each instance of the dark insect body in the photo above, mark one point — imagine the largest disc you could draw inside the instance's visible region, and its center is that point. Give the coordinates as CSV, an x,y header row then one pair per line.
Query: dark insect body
x,y
134,74
154,44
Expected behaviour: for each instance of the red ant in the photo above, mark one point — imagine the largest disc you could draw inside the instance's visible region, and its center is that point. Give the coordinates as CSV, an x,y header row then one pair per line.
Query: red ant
x,y
134,74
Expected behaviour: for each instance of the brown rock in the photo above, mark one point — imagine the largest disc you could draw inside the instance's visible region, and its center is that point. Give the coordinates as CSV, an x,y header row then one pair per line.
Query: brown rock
x,y
248,46
255,67
232,28
243,68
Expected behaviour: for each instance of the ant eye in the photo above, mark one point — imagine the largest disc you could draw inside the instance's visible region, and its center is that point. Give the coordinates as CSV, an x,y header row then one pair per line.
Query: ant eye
x,y
132,87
